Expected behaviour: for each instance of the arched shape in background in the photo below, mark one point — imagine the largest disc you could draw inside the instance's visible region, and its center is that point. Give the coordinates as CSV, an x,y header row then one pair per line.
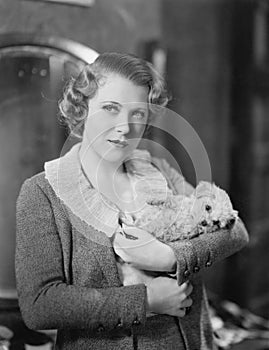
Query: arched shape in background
x,y
33,71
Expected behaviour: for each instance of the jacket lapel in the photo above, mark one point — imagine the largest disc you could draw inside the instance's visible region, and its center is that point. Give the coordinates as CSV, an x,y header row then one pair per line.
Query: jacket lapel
x,y
101,247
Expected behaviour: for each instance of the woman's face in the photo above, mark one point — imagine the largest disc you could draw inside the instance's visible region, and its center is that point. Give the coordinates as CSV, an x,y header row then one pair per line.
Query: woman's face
x,y
117,118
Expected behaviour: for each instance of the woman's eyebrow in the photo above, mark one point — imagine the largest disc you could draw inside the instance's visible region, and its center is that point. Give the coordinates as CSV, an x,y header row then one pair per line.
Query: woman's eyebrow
x,y
141,108
114,102
137,107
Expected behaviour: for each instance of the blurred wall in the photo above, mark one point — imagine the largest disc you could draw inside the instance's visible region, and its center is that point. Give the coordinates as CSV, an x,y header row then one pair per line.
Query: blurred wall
x,y
197,37
116,25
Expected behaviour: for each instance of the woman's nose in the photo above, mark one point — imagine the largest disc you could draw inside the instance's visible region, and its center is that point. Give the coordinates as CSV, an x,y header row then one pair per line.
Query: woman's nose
x,y
122,125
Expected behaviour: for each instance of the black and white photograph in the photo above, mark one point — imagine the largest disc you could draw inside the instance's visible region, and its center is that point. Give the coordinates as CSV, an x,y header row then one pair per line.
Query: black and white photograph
x,y
134,184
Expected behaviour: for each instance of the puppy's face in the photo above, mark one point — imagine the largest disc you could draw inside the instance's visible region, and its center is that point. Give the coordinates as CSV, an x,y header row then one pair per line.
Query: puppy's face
x,y
212,206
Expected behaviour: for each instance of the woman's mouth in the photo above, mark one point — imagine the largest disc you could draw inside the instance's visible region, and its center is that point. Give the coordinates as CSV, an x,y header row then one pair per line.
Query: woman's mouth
x,y
119,143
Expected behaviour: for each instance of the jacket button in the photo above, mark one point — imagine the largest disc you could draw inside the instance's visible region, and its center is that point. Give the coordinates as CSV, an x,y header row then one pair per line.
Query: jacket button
x,y
100,329
196,269
136,322
208,263
187,274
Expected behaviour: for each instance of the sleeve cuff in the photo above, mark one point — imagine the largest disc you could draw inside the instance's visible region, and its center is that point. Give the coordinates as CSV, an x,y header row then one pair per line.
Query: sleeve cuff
x,y
201,252
126,311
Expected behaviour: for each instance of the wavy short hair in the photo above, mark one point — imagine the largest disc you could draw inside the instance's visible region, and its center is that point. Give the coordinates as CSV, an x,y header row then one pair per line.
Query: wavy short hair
x,y
77,92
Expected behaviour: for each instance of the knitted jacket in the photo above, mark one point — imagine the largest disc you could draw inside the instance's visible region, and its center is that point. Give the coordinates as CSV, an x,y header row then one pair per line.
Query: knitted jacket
x,y
70,283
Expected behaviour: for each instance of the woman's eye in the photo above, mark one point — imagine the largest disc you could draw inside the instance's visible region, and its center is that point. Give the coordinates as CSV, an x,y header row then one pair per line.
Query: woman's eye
x,y
111,108
139,114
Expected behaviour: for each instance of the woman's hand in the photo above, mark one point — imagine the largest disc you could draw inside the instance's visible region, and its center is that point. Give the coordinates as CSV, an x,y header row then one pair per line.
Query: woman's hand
x,y
166,297
143,250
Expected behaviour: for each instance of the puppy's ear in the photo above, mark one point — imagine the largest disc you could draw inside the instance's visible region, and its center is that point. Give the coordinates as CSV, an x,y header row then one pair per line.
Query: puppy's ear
x,y
204,189
223,198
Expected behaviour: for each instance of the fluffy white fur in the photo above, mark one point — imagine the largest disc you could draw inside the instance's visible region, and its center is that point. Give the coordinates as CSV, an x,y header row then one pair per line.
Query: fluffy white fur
x,y
178,217
207,209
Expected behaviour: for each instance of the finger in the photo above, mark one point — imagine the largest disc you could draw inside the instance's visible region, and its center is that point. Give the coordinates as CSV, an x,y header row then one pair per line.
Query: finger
x,y
184,286
181,312
187,302
184,295
189,289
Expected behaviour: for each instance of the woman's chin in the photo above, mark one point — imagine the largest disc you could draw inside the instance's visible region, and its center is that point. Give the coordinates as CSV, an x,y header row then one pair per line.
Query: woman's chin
x,y
115,157
117,154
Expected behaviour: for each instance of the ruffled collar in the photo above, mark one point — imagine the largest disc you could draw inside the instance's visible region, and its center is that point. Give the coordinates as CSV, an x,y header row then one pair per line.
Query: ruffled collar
x,y
70,184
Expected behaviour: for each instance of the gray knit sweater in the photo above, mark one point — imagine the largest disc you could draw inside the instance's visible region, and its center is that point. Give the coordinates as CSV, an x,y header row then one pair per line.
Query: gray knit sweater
x,y
70,283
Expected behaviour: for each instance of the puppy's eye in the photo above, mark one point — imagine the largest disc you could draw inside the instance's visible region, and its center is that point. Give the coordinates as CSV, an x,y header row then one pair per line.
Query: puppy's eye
x,y
208,207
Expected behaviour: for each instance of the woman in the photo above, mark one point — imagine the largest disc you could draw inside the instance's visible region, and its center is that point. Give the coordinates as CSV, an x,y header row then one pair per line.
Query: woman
x,y
67,217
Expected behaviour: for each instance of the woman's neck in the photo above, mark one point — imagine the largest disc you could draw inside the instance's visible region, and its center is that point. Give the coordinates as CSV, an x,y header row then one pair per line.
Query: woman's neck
x,y
97,169
110,179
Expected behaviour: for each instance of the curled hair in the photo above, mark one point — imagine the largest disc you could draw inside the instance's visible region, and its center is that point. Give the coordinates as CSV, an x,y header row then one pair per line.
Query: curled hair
x,y
77,92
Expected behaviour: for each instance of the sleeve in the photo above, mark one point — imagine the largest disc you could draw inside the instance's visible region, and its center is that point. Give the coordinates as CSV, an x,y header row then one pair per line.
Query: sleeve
x,y
46,300
201,252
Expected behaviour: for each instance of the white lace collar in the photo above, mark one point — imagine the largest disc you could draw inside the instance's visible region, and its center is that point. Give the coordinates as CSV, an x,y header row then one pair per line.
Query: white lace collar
x,y
70,184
